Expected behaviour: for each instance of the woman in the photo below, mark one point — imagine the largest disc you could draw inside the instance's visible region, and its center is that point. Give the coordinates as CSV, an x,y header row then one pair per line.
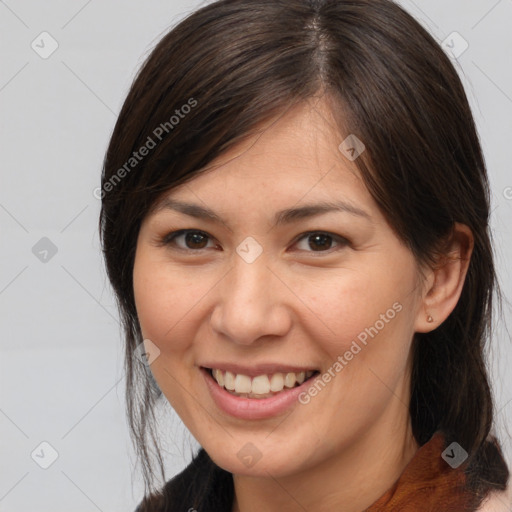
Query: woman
x,y
295,223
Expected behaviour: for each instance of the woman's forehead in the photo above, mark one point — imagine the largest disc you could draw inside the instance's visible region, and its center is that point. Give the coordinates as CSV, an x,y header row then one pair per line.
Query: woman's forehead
x,y
301,144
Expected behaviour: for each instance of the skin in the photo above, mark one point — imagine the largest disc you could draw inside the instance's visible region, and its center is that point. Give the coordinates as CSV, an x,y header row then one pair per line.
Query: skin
x,y
297,305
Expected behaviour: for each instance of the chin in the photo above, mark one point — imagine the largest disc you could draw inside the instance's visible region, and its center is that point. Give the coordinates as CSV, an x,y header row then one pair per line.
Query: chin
x,y
257,458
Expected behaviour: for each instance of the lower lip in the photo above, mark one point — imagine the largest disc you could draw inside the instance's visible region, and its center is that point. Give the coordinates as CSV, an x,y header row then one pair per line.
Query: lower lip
x,y
253,408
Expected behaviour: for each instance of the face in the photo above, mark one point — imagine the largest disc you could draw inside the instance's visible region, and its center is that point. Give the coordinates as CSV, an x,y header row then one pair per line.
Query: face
x,y
259,291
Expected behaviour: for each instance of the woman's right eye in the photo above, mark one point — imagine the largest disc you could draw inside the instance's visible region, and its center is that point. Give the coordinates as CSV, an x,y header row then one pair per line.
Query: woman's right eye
x,y
191,240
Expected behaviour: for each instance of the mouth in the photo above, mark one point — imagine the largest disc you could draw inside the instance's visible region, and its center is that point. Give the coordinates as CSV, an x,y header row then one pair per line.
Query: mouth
x,y
260,386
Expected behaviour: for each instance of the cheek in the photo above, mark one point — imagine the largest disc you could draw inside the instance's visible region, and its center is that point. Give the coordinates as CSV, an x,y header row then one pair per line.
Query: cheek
x,y
166,301
369,337
360,304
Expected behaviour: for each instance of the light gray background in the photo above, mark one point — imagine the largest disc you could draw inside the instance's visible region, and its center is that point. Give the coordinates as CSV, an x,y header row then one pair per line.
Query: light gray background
x,y
61,370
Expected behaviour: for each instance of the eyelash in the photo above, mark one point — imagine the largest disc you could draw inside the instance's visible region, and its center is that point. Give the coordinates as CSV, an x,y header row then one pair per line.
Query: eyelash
x,y
169,240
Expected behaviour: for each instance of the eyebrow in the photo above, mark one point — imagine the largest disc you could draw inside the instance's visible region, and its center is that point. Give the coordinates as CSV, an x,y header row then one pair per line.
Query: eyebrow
x,y
286,216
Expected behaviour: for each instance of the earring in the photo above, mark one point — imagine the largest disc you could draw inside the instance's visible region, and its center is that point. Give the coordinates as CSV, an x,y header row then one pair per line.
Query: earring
x,y
429,319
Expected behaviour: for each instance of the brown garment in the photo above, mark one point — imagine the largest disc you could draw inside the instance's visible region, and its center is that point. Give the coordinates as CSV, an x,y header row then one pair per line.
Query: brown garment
x,y
429,484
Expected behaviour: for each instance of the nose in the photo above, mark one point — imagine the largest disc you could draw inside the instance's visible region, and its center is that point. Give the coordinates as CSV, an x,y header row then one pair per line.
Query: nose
x,y
251,303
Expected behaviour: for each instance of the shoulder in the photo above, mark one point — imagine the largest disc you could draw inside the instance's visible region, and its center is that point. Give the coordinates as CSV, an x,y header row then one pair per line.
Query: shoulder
x,y
202,483
498,501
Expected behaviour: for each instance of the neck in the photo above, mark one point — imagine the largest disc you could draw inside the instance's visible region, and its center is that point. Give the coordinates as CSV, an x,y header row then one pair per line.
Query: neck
x,y
354,478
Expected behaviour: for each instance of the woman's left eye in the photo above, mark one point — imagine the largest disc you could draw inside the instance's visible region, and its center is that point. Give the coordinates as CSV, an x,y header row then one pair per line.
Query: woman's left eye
x,y
319,240
194,240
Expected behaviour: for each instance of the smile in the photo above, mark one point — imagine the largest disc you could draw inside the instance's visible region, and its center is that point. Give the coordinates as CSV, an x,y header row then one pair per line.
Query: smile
x,y
247,405
259,386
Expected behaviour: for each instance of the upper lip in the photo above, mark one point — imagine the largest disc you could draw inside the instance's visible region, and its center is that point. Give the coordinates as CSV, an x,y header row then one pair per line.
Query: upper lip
x,y
258,369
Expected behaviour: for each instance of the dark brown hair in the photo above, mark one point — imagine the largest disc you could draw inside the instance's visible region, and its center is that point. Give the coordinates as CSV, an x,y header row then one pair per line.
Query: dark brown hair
x,y
239,63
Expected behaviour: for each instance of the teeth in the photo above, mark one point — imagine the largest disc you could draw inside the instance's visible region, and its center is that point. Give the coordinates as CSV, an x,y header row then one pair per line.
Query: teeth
x,y
277,382
262,385
242,384
217,375
229,381
289,380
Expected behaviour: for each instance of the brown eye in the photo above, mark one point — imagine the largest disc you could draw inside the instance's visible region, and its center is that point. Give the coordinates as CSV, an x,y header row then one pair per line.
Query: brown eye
x,y
321,242
195,240
191,240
